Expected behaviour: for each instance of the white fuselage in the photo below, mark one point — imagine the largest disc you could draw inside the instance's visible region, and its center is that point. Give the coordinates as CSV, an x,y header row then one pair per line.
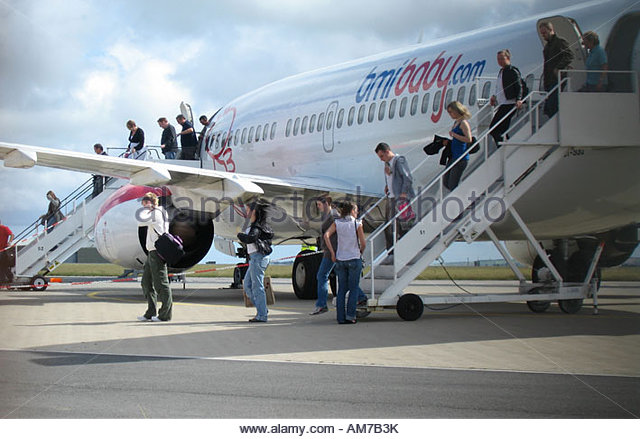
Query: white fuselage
x,y
399,98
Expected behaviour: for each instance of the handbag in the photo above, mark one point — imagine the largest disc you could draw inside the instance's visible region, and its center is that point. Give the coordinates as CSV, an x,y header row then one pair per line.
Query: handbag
x,y
169,248
408,214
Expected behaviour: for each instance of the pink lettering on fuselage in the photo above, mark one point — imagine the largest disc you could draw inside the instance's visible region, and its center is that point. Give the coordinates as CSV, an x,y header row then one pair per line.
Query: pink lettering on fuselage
x,y
412,77
224,157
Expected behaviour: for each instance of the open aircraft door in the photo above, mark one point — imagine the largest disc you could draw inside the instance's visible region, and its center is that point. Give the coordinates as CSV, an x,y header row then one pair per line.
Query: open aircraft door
x,y
568,29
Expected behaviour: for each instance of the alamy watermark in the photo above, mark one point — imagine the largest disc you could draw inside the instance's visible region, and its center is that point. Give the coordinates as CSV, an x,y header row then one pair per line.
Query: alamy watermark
x,y
297,206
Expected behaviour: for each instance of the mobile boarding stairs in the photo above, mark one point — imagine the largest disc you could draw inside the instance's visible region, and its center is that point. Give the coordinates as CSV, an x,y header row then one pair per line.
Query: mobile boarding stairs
x,y
40,250
490,186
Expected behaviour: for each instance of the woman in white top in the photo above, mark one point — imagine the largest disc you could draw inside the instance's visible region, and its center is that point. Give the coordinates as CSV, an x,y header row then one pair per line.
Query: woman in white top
x,y
348,260
155,277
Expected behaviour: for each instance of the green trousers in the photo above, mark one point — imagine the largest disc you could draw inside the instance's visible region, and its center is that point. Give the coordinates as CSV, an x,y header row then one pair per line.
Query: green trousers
x,y
155,282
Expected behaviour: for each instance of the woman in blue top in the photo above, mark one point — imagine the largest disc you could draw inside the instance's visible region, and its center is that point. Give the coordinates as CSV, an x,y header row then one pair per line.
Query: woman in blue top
x,y
460,138
597,60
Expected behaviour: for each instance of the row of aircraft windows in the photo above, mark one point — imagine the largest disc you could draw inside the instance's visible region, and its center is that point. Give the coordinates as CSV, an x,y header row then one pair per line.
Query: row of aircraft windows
x,y
302,125
309,124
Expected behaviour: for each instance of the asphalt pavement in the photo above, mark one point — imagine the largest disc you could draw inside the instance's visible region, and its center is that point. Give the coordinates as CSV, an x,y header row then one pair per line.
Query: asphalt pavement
x,y
77,351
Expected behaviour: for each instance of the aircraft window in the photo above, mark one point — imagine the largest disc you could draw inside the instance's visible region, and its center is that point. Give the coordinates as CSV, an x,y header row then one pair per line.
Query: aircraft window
x,y
258,132
305,122
392,108
448,97
472,95
436,101
486,90
382,110
403,107
320,122
529,81
340,118
265,133
312,123
372,112
250,138
296,126
425,103
273,130
236,137
352,113
244,136
288,130
330,120
414,105
461,92
361,114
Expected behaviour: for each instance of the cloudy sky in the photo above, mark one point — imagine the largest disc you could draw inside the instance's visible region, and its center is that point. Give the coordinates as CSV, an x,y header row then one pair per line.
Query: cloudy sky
x,y
72,72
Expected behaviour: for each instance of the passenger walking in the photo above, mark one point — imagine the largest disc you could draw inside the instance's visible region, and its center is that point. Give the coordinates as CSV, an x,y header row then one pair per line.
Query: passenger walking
x,y
6,236
460,140
329,214
348,259
188,139
98,180
136,149
257,237
205,125
557,56
155,279
53,215
596,60
398,186
508,95
169,139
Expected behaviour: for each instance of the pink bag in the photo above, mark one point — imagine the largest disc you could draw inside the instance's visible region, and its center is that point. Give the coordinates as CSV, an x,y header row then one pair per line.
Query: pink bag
x,y
408,214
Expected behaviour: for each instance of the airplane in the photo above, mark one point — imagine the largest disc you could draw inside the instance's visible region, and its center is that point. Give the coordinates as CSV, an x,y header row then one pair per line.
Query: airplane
x,y
314,134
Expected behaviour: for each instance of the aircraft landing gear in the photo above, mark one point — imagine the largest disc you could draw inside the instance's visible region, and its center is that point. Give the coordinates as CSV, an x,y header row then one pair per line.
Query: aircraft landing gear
x,y
303,275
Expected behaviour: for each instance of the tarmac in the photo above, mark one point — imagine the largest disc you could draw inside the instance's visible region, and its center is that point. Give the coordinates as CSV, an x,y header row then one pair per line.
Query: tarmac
x,y
61,346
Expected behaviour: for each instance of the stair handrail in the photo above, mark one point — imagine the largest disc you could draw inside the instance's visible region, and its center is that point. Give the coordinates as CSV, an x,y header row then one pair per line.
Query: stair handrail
x,y
438,178
419,165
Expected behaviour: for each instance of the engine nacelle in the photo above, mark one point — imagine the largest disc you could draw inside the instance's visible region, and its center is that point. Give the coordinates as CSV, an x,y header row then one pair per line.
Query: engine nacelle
x,y
619,246
120,240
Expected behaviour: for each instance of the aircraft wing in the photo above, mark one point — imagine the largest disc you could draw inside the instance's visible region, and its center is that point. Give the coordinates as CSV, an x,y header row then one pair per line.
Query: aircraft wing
x,y
188,181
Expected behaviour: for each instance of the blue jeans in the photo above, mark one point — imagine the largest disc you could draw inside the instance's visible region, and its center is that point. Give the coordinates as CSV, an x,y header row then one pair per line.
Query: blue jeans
x,y
170,155
348,280
323,281
254,283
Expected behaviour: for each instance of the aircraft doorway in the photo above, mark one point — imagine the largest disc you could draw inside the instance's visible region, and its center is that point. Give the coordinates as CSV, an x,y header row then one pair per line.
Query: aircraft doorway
x,y
328,133
568,29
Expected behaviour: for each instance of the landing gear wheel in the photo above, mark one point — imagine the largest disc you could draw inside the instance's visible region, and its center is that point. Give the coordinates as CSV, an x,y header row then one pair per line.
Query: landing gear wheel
x,y
538,306
238,275
537,275
303,275
38,283
410,307
570,306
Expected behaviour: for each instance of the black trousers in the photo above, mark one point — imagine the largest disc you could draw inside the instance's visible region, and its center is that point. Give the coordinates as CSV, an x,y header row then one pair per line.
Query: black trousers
x,y
551,104
497,131
5,266
452,178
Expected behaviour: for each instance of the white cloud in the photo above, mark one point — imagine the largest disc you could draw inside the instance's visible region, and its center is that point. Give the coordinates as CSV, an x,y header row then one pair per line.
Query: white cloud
x,y
74,71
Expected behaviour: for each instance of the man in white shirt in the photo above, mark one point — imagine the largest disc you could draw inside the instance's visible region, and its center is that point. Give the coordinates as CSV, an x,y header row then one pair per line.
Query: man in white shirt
x,y
155,279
